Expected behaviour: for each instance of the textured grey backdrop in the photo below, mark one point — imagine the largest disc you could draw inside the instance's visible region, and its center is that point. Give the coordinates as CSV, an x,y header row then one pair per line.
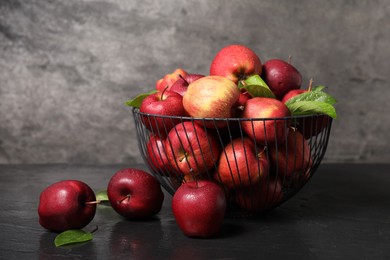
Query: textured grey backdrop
x,y
66,67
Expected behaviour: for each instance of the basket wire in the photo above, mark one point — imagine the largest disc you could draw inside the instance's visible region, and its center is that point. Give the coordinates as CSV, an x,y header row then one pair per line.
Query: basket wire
x,y
308,133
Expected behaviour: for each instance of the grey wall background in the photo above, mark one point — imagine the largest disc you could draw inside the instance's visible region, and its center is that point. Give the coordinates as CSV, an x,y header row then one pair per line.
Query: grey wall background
x,y
66,67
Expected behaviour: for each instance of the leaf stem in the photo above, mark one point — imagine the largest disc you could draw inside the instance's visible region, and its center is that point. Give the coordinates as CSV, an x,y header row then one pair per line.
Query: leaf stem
x,y
310,85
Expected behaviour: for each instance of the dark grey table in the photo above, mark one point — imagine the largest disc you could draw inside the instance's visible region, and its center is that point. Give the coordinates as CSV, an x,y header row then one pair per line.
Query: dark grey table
x,y
342,213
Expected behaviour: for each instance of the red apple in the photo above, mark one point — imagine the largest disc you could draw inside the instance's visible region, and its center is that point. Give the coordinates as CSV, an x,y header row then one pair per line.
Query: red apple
x,y
68,204
266,125
241,164
281,77
157,157
293,158
292,93
199,208
211,97
181,85
308,126
235,62
191,149
162,103
260,197
169,79
134,193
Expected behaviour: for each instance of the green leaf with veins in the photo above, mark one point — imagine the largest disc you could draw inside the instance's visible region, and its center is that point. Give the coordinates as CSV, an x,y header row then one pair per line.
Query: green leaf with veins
x,y
136,102
72,237
314,95
256,80
256,87
259,91
315,101
312,107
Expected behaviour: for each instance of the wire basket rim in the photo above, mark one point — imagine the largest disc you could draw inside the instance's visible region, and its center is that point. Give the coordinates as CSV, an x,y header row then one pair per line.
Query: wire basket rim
x,y
292,117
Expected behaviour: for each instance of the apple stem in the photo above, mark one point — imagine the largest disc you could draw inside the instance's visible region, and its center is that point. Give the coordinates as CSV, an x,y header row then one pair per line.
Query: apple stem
x,y
92,202
125,197
162,93
289,59
183,158
310,85
183,78
261,152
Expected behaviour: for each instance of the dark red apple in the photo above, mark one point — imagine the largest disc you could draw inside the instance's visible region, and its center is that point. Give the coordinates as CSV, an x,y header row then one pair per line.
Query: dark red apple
x,y
157,157
162,103
191,149
281,77
199,208
134,193
181,85
311,125
293,158
67,204
260,197
169,79
266,124
241,164
235,62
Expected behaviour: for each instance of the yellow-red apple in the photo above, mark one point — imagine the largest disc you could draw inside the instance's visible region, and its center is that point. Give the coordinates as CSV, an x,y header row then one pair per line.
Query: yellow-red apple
x,y
211,97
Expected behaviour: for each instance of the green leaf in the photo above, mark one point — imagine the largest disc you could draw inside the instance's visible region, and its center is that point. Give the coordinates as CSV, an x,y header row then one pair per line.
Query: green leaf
x,y
315,95
256,80
102,195
256,87
136,102
259,91
312,107
72,237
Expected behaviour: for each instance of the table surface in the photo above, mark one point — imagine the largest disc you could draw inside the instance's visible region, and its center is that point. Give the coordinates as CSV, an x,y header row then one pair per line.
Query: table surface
x,y
343,212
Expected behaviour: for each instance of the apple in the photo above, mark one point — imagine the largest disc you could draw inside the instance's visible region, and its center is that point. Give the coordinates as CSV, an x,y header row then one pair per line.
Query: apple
x,y
243,98
281,77
308,126
157,157
260,197
236,62
211,97
266,125
293,158
292,93
312,125
181,85
191,150
67,204
162,103
199,208
241,164
169,79
134,193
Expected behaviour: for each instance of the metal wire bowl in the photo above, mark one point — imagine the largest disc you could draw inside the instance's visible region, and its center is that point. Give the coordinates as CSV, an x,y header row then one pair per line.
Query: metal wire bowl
x,y
255,175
